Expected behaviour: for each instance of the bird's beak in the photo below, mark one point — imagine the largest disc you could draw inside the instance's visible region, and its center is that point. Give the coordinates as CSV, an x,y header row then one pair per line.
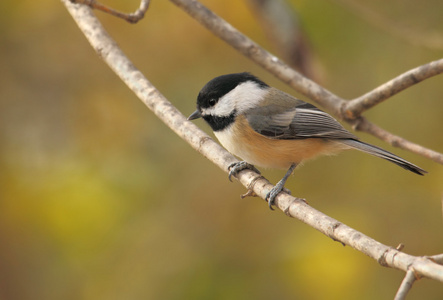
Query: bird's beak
x,y
195,115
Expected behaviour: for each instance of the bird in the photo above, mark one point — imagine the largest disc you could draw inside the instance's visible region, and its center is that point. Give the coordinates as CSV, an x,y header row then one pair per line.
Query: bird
x,y
269,128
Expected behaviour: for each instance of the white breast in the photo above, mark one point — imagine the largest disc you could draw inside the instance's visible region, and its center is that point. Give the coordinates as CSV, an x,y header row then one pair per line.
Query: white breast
x,y
227,138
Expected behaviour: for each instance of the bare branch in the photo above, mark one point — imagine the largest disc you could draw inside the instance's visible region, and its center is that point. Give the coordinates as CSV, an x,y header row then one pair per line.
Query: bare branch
x,y
303,85
294,207
131,18
406,285
356,107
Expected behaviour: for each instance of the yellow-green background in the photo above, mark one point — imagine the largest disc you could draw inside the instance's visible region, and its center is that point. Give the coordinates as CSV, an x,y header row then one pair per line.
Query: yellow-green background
x,y
100,200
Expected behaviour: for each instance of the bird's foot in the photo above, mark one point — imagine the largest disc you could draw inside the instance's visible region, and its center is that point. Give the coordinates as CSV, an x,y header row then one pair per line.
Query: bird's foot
x,y
279,187
236,167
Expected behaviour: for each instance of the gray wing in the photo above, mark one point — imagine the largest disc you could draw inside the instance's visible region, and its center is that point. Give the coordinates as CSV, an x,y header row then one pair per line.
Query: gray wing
x,y
295,119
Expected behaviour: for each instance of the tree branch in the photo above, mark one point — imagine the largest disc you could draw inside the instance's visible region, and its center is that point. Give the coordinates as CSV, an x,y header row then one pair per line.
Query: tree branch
x,y
354,108
108,50
406,285
131,17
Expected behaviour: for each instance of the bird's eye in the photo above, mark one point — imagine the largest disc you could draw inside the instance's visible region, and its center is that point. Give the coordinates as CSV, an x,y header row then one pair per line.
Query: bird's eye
x,y
212,101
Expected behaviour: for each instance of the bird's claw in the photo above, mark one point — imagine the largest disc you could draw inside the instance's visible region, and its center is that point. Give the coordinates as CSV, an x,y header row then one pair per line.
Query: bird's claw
x,y
270,196
236,167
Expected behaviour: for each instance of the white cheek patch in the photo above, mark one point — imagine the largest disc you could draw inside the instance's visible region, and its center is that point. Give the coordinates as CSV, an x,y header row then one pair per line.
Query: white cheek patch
x,y
245,96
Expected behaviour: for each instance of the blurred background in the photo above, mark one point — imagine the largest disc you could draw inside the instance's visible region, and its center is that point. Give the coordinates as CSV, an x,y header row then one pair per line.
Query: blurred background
x,y
100,200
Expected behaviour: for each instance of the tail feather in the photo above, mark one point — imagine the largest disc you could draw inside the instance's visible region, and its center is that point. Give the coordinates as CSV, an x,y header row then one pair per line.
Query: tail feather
x,y
379,152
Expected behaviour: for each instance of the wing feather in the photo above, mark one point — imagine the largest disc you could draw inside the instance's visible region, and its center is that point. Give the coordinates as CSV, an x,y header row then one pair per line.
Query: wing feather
x,y
295,119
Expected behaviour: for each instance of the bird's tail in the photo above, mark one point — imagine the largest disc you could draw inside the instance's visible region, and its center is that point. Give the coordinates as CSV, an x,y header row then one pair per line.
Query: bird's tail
x,y
379,152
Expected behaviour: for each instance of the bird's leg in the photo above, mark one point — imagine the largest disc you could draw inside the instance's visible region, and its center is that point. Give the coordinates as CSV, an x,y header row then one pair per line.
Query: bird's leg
x,y
270,196
236,167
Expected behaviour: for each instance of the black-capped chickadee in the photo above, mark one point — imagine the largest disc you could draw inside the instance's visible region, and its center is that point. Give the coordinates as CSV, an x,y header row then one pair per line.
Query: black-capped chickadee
x,y
269,128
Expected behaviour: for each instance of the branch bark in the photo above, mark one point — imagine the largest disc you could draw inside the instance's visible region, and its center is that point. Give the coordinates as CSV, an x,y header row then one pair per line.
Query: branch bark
x,y
108,50
406,285
131,17
354,108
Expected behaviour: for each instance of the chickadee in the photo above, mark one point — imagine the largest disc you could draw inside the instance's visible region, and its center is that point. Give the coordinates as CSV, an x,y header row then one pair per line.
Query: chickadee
x,y
269,128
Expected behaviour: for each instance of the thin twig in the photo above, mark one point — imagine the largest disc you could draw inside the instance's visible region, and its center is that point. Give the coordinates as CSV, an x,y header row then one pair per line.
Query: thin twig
x,y
406,285
400,247
131,17
294,207
354,108
303,85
